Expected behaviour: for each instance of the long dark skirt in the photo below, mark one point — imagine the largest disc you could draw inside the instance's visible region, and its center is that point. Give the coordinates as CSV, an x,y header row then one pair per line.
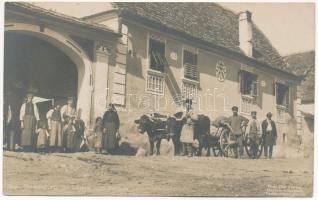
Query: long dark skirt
x,y
109,136
77,142
28,137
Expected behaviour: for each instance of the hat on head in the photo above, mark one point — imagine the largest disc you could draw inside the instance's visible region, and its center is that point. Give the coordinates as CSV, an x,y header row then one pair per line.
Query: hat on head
x,y
189,101
253,113
29,94
234,108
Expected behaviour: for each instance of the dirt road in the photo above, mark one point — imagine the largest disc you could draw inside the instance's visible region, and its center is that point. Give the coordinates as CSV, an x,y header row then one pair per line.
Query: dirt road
x,y
88,174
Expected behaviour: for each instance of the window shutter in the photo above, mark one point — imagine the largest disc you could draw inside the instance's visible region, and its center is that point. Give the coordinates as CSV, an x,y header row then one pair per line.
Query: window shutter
x,y
255,88
190,71
287,97
240,77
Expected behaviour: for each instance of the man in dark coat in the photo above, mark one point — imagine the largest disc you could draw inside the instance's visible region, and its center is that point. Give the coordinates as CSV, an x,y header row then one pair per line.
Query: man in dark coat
x,y
110,130
269,135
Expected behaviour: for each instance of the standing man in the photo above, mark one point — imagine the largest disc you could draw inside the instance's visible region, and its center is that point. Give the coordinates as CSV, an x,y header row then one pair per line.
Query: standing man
x,y
254,131
29,116
54,118
269,135
68,111
187,132
110,129
237,123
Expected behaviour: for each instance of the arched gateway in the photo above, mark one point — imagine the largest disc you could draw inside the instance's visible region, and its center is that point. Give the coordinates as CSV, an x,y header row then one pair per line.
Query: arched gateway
x,y
82,84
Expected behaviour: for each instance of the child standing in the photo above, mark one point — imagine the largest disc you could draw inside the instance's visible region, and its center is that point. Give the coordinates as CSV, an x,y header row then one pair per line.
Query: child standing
x,y
98,131
42,139
68,135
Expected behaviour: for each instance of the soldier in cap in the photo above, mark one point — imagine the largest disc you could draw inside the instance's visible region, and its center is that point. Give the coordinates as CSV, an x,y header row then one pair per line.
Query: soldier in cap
x,y
254,132
237,123
269,135
29,116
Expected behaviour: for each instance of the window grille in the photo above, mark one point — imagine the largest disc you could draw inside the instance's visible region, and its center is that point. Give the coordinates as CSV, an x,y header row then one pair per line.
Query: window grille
x,y
155,84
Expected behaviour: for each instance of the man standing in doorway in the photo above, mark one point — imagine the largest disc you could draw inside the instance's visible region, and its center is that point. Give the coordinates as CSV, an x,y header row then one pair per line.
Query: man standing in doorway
x,y
237,123
269,135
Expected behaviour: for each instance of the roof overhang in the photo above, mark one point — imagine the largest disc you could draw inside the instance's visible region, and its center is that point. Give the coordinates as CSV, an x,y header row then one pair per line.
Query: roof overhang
x,y
42,14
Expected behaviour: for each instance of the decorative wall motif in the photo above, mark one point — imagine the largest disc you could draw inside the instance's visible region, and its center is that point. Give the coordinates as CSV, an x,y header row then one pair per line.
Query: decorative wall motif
x,y
221,71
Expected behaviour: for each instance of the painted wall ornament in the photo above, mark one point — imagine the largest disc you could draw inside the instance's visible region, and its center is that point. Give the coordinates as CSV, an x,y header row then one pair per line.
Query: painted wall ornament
x,y
174,56
221,71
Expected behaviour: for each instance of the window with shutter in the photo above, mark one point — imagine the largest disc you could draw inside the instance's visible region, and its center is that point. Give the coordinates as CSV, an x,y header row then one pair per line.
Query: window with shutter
x,y
282,94
248,84
190,64
157,55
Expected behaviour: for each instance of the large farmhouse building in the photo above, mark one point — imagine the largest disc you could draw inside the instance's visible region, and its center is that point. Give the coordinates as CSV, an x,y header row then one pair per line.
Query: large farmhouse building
x,y
149,57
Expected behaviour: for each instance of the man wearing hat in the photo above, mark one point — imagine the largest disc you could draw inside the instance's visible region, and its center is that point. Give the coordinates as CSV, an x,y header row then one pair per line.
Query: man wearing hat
x,y
29,116
253,132
237,123
269,135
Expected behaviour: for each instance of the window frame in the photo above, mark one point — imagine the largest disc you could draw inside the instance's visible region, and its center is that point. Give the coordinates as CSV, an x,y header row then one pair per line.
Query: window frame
x,y
158,39
189,83
195,51
254,85
286,101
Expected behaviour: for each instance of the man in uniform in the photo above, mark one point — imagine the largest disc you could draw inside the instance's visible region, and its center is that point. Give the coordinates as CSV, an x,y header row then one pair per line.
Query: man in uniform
x,y
237,123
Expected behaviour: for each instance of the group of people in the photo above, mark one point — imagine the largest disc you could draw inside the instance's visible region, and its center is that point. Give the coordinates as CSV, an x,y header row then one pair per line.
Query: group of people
x,y
62,130
238,125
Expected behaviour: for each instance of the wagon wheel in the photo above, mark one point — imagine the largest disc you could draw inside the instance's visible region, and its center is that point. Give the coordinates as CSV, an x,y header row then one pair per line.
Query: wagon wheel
x,y
247,146
226,146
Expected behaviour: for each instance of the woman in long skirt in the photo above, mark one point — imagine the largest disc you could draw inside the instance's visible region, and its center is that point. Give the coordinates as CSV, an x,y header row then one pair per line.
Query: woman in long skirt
x,y
55,126
110,129
79,134
187,133
68,136
29,116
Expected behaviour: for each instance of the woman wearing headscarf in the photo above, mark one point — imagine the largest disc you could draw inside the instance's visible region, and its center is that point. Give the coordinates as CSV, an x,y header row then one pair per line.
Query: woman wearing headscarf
x,y
54,118
187,133
110,128
29,116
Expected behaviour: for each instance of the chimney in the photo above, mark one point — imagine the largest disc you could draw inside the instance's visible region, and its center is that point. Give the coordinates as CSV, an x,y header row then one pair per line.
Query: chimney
x,y
245,32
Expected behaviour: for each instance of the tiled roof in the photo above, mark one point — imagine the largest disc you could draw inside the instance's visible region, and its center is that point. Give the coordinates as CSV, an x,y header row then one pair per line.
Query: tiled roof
x,y
206,21
300,63
28,7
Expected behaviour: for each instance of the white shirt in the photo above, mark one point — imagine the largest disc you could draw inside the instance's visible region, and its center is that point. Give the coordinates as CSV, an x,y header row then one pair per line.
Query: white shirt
x,y
269,125
36,112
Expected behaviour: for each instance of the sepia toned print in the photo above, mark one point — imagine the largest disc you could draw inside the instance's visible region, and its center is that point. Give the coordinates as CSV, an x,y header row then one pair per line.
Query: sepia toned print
x,y
153,99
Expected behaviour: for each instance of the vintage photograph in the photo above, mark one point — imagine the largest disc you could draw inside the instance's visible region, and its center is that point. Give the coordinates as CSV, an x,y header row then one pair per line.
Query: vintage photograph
x,y
200,99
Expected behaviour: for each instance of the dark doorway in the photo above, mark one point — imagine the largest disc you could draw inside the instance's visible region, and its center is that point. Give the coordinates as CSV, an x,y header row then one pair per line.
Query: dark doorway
x,y
32,64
